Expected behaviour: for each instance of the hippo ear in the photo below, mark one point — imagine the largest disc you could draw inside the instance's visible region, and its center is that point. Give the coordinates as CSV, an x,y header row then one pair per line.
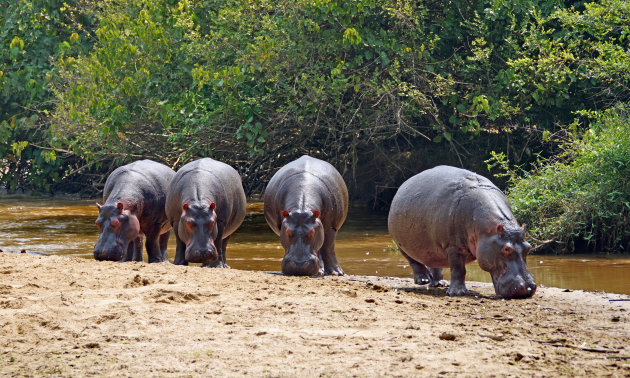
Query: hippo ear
x,y
185,206
119,206
99,206
524,227
316,214
499,228
285,213
212,205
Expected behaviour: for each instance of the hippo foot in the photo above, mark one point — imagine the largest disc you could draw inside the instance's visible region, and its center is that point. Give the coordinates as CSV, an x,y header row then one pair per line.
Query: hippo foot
x,y
421,278
439,283
455,291
216,264
335,271
160,260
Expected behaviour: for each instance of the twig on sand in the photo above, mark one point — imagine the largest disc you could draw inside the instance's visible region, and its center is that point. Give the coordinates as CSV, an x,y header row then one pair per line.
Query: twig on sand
x,y
560,343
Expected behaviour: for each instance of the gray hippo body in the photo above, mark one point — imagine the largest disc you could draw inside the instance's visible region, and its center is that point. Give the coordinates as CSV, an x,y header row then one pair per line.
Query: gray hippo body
x,y
205,204
306,202
448,217
134,196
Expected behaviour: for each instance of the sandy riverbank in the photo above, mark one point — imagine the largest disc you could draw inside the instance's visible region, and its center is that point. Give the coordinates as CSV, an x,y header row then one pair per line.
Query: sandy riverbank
x,y
76,317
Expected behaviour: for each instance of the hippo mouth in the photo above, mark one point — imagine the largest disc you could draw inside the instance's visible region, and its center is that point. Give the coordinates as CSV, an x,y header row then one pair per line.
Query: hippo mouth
x,y
305,267
514,288
114,254
108,256
202,256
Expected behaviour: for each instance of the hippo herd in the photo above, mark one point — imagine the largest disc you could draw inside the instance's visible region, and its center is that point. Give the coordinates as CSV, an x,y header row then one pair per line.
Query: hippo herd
x,y
441,217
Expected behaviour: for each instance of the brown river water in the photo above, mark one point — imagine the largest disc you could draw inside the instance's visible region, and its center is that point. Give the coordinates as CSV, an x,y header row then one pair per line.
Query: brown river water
x,y
66,227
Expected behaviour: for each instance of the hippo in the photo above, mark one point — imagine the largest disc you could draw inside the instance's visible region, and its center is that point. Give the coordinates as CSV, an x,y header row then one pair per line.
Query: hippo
x,y
305,203
448,217
134,198
205,204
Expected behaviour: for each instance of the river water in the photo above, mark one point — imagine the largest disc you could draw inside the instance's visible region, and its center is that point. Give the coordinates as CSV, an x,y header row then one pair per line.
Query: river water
x,y
66,227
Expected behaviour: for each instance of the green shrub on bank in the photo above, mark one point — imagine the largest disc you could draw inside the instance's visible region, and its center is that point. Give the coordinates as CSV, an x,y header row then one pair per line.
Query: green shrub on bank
x,y
579,201
33,34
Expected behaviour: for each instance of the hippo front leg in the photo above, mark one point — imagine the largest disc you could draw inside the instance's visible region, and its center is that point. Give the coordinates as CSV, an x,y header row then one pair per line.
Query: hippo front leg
x,y
134,250
220,263
153,248
152,244
180,248
137,249
163,244
220,244
327,255
457,262
129,254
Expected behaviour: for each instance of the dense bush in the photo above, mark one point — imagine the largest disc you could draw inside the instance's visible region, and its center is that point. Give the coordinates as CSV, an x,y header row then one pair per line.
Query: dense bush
x,y
580,199
256,83
32,35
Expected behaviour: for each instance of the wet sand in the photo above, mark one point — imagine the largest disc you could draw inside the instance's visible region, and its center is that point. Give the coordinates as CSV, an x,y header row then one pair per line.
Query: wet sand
x,y
75,317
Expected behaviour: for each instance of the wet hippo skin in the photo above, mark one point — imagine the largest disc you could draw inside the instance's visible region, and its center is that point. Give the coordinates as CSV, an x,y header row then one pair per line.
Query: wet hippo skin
x,y
205,204
134,196
448,217
306,202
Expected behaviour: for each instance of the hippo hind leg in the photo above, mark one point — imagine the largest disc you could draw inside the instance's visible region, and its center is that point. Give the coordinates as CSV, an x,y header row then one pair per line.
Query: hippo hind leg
x,y
421,274
437,278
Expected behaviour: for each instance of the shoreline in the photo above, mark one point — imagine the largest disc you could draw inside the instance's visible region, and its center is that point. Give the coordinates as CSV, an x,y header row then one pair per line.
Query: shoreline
x,y
74,316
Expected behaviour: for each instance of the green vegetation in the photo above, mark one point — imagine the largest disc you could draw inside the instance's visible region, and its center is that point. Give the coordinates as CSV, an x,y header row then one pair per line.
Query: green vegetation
x,y
381,89
579,200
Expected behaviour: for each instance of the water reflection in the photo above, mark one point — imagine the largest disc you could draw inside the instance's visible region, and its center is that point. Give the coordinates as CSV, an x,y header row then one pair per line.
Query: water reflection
x,y
363,245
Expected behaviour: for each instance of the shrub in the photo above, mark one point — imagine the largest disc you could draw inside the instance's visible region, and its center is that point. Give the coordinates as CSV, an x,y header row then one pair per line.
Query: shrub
x,y
580,200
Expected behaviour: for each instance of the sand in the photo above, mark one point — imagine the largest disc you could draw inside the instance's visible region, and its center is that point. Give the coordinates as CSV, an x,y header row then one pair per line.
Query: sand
x,y
66,316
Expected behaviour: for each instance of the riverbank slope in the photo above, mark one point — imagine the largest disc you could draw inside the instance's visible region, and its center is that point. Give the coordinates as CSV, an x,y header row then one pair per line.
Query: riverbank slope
x,y
72,316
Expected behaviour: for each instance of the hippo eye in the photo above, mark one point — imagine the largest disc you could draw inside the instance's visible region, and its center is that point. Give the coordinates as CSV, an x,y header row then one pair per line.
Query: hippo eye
x,y
289,232
98,224
190,225
508,249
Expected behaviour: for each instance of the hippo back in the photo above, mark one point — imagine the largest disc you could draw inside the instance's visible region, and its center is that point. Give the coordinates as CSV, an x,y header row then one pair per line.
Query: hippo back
x,y
209,179
306,184
142,183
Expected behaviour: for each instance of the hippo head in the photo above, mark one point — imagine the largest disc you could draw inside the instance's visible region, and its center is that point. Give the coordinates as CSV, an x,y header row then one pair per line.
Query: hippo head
x,y
301,235
118,227
198,230
503,253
